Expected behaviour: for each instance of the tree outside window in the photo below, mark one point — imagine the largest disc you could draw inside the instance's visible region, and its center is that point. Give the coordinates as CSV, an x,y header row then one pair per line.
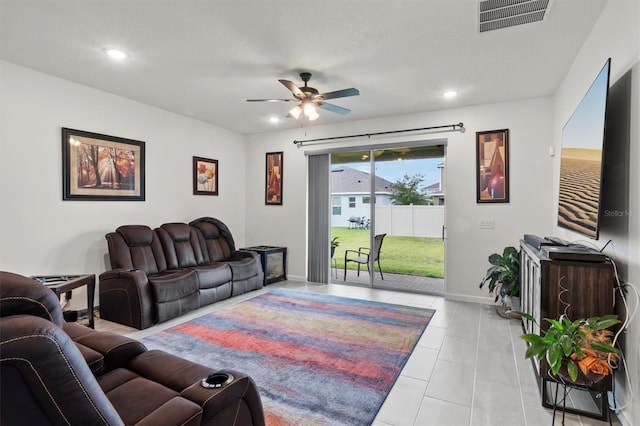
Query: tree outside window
x,y
406,191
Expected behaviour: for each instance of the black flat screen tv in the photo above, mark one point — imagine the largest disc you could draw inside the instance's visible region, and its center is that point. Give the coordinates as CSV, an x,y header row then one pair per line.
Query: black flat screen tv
x,y
581,162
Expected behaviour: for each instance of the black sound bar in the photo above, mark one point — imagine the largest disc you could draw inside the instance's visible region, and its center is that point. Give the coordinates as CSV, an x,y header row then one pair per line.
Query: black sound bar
x,y
539,242
577,253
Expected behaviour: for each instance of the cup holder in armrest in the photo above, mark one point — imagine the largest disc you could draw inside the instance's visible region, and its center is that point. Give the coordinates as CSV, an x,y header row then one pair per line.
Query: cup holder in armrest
x,y
217,380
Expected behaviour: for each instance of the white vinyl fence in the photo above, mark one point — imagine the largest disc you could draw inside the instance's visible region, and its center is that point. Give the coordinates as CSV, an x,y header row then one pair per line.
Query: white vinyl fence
x,y
410,221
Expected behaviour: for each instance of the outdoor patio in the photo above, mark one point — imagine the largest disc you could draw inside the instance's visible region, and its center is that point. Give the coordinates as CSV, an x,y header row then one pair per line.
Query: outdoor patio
x,y
409,283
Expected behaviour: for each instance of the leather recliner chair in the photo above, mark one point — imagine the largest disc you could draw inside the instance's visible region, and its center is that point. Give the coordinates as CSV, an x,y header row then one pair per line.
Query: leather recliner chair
x,y
53,372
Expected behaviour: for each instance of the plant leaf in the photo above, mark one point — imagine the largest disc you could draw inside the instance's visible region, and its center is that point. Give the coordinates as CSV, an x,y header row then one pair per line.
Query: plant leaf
x,y
536,349
555,324
567,345
572,368
579,352
554,357
532,338
526,316
496,259
606,323
603,347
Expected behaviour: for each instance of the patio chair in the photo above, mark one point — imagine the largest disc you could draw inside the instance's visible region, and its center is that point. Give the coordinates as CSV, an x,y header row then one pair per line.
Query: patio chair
x,y
362,255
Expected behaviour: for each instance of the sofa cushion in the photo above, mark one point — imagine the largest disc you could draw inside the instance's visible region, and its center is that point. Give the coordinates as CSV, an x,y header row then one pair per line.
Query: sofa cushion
x,y
43,374
174,293
136,235
135,398
244,267
173,285
215,246
181,246
136,247
213,274
40,301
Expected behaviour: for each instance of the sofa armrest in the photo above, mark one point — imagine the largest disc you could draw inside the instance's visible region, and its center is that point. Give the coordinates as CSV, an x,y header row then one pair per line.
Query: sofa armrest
x,y
237,403
114,349
239,399
243,254
125,297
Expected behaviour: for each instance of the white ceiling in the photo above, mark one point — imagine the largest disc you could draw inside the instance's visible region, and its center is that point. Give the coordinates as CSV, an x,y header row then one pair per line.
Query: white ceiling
x,y
203,59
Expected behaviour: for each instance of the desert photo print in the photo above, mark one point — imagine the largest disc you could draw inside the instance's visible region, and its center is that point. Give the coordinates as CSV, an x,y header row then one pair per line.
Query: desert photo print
x,y
579,189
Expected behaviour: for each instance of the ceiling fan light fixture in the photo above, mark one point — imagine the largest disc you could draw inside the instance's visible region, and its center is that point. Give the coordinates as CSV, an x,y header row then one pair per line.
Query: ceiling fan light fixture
x,y
310,111
295,112
308,99
312,114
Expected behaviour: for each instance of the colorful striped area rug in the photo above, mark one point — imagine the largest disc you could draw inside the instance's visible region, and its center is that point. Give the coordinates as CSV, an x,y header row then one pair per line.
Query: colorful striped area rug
x,y
317,359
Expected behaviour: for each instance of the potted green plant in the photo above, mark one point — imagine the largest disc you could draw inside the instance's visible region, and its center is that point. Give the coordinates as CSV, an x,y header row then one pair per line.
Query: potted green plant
x,y
574,347
334,244
503,278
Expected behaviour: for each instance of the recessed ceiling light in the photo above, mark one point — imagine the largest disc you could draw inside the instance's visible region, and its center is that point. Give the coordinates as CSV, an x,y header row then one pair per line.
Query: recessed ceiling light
x,y
116,54
274,119
450,94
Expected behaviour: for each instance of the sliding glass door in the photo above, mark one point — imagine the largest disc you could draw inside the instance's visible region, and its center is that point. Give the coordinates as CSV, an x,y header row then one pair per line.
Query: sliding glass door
x,y
387,217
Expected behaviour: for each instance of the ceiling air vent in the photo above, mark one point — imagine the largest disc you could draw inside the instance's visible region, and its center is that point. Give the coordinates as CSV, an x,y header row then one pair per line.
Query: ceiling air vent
x,y
496,14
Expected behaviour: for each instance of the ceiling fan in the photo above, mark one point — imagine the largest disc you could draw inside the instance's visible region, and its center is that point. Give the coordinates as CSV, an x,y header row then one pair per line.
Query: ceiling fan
x,y
309,98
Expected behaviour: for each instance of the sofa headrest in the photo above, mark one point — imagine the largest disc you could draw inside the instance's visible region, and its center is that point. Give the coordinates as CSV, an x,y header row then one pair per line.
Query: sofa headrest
x,y
20,295
136,235
177,231
225,233
209,230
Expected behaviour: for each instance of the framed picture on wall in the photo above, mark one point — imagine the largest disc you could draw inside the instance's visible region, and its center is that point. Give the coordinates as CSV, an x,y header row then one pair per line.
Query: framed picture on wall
x,y
492,166
205,176
98,167
273,182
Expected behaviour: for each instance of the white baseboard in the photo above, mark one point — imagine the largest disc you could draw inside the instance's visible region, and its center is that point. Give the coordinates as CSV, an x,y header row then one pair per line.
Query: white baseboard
x,y
296,278
472,299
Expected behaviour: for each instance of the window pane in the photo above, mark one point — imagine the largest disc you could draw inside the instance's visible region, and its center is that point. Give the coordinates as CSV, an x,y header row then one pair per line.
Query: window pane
x,y
336,211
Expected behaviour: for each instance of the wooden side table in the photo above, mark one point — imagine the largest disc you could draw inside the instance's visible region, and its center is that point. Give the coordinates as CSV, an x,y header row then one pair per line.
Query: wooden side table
x,y
60,284
274,262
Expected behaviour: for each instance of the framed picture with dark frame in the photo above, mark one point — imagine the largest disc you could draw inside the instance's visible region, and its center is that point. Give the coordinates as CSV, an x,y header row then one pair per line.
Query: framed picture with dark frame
x,y
98,167
273,180
492,166
205,176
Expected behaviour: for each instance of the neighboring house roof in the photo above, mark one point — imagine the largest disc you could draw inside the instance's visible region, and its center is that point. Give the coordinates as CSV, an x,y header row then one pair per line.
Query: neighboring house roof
x,y
349,181
432,187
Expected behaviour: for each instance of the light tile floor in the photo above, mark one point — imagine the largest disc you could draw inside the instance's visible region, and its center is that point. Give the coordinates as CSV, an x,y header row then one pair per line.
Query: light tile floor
x,y
467,369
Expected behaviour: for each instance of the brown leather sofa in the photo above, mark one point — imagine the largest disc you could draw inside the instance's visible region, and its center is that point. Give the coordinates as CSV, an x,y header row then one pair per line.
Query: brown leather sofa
x,y
57,373
163,273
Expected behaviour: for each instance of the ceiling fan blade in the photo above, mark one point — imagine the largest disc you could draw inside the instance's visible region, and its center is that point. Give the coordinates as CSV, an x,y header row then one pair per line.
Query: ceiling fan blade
x,y
294,89
273,100
334,108
340,93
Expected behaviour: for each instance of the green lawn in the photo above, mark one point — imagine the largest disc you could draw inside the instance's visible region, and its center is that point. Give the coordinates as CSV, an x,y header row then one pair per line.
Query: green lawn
x,y
399,255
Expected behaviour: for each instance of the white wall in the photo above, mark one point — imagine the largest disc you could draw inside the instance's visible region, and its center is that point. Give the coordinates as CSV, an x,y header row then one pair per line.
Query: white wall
x,y
615,35
40,233
529,211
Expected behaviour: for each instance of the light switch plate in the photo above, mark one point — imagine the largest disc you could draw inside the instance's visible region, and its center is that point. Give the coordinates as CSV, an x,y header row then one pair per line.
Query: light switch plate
x,y
486,223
